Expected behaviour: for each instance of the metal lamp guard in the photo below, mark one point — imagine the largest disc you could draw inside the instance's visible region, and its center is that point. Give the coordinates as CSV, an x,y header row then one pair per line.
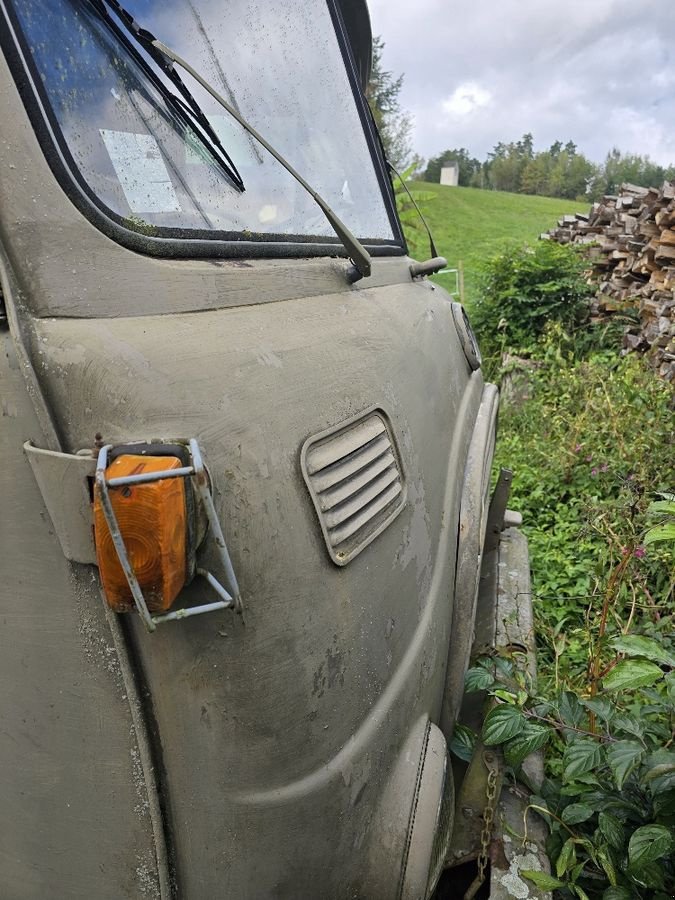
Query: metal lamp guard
x,y
196,471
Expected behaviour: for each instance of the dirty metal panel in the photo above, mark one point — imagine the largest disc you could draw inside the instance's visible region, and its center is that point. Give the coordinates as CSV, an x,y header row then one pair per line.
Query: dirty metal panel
x,y
354,477
63,482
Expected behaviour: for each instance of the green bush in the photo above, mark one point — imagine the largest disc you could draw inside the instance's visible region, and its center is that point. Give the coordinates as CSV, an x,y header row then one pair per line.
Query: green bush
x,y
611,806
523,289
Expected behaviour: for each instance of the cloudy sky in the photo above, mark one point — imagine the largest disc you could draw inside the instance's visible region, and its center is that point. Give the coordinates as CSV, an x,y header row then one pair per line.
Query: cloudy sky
x,y
598,72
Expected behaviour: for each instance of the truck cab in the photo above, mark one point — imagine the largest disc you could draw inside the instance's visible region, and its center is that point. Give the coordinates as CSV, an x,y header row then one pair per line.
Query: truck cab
x,y
244,481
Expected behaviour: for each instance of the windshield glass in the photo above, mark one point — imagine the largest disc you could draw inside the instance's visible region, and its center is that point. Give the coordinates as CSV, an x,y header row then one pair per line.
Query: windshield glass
x,y
280,65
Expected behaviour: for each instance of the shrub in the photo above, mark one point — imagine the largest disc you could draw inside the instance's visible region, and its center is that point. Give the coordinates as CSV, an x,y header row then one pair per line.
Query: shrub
x,y
525,288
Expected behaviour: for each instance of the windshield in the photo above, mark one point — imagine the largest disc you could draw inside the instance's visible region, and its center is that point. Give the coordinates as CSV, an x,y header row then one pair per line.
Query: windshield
x,y
280,65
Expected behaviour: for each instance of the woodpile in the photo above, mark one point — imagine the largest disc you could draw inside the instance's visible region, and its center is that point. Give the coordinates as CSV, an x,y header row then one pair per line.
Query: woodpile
x,y
631,249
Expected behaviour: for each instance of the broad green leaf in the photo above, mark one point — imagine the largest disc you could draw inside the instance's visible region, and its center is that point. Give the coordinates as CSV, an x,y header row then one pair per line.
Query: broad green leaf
x,y
462,743
631,673
666,507
478,679
575,813
570,709
647,844
612,829
607,864
581,756
665,532
618,893
601,707
501,723
567,857
531,738
648,875
627,723
506,696
542,880
580,892
637,645
622,757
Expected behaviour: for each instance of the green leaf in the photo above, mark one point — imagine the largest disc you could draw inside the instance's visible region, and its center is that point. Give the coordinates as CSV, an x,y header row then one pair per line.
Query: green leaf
x,y
542,880
637,645
581,756
627,723
462,743
611,829
665,532
575,813
607,864
570,709
648,875
531,738
567,857
631,673
478,679
501,723
601,707
618,893
647,844
622,757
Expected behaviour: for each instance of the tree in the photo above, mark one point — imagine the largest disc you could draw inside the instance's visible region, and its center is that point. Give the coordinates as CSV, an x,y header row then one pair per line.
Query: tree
x,y
469,167
393,123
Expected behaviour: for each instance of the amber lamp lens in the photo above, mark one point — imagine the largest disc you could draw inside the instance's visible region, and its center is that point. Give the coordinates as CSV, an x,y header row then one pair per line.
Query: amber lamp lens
x,y
152,520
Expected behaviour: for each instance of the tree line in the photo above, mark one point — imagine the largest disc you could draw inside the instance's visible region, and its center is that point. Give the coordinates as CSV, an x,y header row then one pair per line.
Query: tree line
x,y
559,171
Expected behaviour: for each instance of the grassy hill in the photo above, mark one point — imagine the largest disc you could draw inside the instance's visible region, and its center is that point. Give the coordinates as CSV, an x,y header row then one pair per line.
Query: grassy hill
x,y
470,225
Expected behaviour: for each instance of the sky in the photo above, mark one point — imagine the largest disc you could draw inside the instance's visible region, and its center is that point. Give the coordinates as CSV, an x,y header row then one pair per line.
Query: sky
x,y
598,72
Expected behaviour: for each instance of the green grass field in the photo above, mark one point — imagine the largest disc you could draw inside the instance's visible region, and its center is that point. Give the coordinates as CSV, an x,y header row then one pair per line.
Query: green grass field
x,y
470,225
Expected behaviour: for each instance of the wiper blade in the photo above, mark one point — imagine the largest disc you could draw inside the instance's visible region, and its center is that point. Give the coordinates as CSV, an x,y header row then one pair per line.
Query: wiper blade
x,y
186,107
167,59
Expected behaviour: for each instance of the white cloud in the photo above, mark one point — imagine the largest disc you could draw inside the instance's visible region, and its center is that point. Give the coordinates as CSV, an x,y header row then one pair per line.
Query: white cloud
x,y
466,98
599,73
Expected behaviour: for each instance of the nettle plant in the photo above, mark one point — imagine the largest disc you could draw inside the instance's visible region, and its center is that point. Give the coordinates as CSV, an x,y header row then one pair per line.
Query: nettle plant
x,y
610,798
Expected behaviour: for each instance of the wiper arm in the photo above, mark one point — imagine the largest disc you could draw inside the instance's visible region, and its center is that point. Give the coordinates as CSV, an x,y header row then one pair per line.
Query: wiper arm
x,y
186,107
167,59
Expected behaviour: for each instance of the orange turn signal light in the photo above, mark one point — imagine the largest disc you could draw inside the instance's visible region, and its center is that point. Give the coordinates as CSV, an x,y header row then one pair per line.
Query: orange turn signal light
x,y
152,519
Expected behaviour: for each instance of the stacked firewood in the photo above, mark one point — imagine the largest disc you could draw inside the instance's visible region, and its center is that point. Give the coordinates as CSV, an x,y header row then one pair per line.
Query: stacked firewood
x,y
631,250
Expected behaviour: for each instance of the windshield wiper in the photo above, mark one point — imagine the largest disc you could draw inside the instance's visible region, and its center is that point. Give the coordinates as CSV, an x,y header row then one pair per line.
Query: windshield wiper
x,y
167,59
186,108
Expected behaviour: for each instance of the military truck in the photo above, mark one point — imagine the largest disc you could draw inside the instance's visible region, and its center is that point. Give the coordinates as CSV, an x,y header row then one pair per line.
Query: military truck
x,y
246,448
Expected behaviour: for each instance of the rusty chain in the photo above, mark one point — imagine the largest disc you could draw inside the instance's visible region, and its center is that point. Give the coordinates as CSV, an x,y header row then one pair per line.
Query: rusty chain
x,y
492,767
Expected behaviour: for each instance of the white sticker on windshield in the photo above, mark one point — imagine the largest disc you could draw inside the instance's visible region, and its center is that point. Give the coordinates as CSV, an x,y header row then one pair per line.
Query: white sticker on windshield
x,y
138,164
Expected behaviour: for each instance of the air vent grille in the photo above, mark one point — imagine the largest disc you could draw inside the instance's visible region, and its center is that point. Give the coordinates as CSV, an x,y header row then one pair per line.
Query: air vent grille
x,y
354,476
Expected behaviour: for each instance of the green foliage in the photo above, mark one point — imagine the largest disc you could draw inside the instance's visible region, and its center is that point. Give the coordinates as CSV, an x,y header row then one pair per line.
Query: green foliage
x,y
610,806
560,171
627,167
469,167
589,450
594,469
663,509
524,289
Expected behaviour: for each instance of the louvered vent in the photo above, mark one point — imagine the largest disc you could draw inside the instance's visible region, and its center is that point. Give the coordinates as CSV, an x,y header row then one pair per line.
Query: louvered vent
x,y
354,476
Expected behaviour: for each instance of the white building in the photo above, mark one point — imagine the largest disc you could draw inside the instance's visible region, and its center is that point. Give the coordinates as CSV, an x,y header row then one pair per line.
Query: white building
x,y
450,174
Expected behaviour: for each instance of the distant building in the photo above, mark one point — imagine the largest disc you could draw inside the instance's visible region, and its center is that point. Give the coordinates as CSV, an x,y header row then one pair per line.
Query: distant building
x,y
450,174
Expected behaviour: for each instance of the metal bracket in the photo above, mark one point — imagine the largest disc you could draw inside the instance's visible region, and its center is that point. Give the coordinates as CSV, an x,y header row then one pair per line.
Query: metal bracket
x,y
196,471
497,511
